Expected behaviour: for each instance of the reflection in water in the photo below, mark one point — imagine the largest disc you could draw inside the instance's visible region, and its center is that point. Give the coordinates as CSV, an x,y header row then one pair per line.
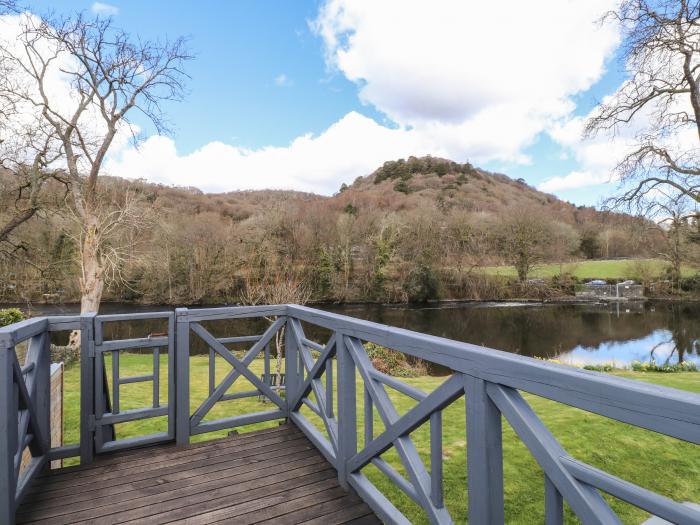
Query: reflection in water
x,y
576,333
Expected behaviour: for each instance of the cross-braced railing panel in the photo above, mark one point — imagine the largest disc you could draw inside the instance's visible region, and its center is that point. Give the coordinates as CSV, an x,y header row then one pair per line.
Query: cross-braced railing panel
x,y
574,481
326,384
265,387
24,401
490,382
315,389
422,487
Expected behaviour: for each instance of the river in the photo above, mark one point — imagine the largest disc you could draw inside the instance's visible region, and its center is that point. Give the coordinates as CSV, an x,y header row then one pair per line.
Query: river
x,y
573,333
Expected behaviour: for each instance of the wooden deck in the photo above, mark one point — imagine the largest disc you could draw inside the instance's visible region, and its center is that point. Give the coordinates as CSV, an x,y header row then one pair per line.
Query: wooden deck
x,y
269,476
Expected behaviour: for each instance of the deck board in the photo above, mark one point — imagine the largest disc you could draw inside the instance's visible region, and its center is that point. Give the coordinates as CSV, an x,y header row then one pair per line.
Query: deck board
x,y
274,475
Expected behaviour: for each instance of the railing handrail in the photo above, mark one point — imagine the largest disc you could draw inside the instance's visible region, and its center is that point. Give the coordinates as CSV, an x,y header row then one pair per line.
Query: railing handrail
x,y
673,412
659,408
491,380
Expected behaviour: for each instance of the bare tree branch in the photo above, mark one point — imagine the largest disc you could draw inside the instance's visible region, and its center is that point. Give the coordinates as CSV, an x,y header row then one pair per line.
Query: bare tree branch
x,y
111,76
660,100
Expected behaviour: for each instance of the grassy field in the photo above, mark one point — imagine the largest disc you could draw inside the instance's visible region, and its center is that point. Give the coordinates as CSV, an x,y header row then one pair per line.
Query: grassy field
x,y
604,269
662,464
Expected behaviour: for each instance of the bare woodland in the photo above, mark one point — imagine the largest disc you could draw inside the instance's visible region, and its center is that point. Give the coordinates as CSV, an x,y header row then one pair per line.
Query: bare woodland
x,y
367,243
414,230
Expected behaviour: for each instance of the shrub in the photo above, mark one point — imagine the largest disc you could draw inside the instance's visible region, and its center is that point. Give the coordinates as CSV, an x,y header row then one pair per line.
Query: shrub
x,y
565,282
402,187
10,315
651,366
394,363
605,367
690,284
422,284
351,210
65,354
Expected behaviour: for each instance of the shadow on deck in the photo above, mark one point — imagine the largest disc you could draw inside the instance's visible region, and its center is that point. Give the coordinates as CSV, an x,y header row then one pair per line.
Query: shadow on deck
x,y
269,476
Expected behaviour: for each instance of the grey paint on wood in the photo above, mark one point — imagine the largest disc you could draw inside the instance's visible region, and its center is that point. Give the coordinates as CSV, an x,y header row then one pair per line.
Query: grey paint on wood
x,y
294,327
644,499
397,479
305,384
182,378
490,380
347,410
291,367
379,503
220,389
18,332
240,366
484,455
583,499
107,414
8,434
87,384
665,410
436,459
440,398
553,504
412,463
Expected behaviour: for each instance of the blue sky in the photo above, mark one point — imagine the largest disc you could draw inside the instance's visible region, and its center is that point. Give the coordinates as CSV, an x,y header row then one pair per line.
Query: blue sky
x,y
264,76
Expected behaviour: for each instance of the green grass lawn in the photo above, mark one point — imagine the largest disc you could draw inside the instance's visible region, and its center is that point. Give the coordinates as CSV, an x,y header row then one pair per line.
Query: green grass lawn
x,y
607,269
665,465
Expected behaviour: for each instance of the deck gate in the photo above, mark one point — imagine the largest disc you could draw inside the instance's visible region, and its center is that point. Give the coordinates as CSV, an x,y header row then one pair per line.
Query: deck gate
x,y
107,409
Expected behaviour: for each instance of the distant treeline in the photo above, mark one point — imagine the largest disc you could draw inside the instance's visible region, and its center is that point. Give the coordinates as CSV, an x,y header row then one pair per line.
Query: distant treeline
x,y
375,240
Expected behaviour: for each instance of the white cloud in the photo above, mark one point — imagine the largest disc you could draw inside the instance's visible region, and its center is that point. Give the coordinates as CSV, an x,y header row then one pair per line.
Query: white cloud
x,y
598,157
489,68
16,131
100,8
474,81
574,180
355,145
283,80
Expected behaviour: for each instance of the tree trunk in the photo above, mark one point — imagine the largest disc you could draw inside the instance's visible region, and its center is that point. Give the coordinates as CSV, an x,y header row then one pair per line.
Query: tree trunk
x,y
92,277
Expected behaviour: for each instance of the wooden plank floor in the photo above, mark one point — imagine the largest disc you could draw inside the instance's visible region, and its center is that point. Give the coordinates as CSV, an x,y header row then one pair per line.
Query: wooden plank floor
x,y
270,476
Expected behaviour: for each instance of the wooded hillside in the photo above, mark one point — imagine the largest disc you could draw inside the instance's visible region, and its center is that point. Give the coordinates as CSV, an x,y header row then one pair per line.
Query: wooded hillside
x,y
414,229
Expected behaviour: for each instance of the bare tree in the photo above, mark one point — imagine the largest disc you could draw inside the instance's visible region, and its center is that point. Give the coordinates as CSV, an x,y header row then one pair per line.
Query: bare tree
x,y
28,148
8,6
525,240
276,288
678,226
658,104
27,155
110,77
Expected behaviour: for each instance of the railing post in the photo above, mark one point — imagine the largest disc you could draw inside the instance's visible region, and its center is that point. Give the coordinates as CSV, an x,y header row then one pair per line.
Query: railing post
x,y
38,352
484,455
347,410
553,503
8,430
291,366
87,387
182,377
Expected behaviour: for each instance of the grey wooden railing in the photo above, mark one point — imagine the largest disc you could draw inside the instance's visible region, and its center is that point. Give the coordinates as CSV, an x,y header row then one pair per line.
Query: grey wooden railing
x,y
324,378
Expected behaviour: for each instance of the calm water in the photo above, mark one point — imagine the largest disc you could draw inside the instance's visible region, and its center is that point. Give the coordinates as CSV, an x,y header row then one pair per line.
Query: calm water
x,y
575,333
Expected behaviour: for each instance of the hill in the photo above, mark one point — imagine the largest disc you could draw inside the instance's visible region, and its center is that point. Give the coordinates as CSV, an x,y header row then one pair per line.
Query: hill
x,y
417,182
413,229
